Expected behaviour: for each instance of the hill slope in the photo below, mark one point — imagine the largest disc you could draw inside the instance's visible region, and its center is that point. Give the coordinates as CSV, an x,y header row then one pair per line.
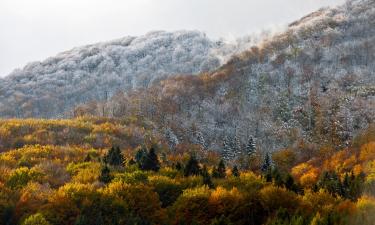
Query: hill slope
x,y
314,82
96,72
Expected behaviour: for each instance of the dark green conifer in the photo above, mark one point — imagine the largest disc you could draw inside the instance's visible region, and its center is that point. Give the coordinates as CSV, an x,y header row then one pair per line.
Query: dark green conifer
x,y
105,175
114,157
235,171
192,167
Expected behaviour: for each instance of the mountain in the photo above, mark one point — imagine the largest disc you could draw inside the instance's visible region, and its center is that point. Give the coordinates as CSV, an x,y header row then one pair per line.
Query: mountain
x,y
96,72
310,86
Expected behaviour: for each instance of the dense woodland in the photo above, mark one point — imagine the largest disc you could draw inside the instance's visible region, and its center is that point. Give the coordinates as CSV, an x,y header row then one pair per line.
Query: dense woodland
x,y
314,82
280,134
97,171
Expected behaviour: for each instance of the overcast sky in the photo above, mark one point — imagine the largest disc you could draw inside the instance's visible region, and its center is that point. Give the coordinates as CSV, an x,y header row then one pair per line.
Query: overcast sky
x,y
32,30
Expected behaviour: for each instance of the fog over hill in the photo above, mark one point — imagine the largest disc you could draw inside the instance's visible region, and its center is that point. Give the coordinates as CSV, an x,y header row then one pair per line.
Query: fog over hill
x,y
95,72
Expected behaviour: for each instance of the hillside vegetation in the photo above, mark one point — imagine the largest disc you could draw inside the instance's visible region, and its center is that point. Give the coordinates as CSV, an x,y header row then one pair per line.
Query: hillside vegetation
x,y
314,82
62,180
50,88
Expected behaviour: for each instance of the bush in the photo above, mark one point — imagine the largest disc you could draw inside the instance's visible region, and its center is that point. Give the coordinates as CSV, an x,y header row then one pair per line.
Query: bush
x,y
36,219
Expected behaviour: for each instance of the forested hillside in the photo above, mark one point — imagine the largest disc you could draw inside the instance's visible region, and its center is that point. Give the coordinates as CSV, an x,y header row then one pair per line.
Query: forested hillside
x,y
96,72
313,82
93,171
176,129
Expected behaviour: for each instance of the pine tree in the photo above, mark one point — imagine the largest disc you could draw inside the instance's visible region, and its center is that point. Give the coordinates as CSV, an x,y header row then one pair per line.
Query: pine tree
x,y
236,146
228,152
251,146
114,157
140,154
105,175
192,167
200,140
235,171
206,177
220,170
150,161
267,163
171,138
178,166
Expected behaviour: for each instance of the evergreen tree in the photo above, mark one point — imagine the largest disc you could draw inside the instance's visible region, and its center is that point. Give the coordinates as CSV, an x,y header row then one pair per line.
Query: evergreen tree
x,y
220,170
192,167
171,138
236,146
251,147
235,171
140,154
178,166
290,184
228,152
200,140
267,163
206,177
114,157
105,175
150,161
277,178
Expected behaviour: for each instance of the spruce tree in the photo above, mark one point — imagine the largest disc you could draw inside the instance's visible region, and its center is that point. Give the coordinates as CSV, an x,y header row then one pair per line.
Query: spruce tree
x,y
220,170
251,147
178,166
150,161
114,157
140,154
235,171
228,152
236,146
105,175
267,163
192,167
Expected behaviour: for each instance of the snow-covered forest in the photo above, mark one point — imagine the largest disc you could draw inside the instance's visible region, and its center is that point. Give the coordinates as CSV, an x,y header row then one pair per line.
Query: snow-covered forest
x,y
314,82
98,71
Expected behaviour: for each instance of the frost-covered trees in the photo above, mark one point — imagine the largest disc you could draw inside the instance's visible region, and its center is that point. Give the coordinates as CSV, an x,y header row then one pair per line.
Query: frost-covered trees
x,y
171,138
228,151
251,146
98,71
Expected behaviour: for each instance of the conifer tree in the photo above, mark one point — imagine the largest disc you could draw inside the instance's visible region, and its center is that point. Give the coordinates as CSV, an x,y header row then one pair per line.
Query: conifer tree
x,y
178,166
235,171
228,152
192,167
114,157
251,146
267,163
150,161
140,154
105,175
236,146
220,170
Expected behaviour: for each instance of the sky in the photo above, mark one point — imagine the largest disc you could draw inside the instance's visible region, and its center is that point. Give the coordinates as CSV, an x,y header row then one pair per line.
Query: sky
x,y
32,30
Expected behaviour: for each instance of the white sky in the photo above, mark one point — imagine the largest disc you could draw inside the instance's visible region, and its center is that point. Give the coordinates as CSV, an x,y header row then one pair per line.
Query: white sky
x,y
32,30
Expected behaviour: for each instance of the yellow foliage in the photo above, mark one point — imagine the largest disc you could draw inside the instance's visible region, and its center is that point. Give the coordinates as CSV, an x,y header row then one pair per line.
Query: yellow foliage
x,y
309,178
320,201
277,197
367,151
284,159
